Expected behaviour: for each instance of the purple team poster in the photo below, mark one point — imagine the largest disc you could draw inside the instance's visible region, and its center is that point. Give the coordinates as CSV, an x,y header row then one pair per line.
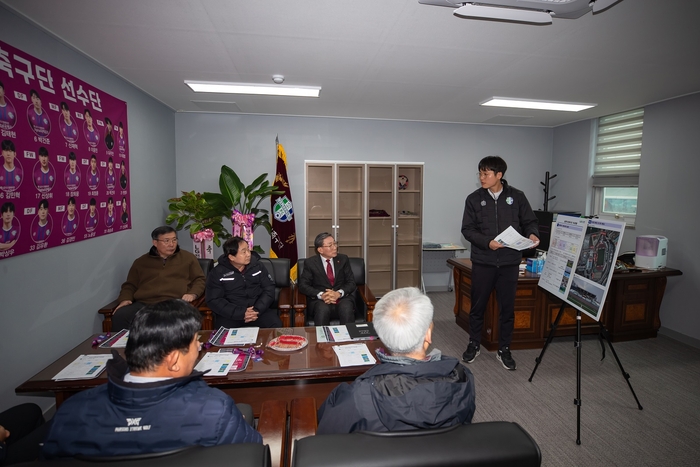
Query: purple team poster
x,y
64,175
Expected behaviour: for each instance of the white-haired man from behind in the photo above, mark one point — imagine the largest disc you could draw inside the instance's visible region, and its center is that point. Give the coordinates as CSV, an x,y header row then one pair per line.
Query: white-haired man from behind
x,y
410,389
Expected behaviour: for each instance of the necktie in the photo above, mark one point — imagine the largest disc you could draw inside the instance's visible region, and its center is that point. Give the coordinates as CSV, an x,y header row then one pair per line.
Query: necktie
x,y
329,272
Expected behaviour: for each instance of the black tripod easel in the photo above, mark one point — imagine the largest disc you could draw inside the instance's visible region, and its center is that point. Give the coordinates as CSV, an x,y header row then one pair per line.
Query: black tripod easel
x,y
577,343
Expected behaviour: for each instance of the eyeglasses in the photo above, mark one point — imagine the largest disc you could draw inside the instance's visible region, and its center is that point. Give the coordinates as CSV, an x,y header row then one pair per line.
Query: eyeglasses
x,y
168,241
331,245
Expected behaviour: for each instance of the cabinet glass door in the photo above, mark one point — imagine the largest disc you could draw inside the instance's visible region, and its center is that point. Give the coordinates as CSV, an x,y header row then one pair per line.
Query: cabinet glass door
x,y
409,215
320,209
381,228
350,230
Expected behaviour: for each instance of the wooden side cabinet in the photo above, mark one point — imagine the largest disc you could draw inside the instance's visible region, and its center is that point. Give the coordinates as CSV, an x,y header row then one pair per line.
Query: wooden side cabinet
x,y
631,309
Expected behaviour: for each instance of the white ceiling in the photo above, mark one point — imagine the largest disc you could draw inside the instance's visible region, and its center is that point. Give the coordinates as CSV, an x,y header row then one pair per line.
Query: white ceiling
x,y
385,59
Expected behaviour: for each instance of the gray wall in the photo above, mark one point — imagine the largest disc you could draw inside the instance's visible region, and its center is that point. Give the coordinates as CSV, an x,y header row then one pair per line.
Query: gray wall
x,y
667,195
50,298
450,152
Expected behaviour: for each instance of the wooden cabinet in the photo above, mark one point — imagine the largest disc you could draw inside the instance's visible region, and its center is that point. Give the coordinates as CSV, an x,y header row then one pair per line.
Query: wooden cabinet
x,y
335,204
631,309
375,212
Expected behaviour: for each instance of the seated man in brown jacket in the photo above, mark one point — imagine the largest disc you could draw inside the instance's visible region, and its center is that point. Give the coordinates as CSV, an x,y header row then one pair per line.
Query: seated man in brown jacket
x,y
165,272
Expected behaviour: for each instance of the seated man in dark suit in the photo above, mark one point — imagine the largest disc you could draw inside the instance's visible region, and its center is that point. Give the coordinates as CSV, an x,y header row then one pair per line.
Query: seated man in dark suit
x,y
410,389
153,401
328,283
240,290
165,272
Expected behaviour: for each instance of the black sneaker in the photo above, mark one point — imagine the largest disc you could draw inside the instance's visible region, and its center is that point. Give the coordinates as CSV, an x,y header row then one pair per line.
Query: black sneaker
x,y
473,350
506,358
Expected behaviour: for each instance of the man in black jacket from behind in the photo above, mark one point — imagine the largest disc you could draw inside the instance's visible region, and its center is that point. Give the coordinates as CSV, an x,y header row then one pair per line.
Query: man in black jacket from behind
x,y
410,389
240,291
487,212
153,401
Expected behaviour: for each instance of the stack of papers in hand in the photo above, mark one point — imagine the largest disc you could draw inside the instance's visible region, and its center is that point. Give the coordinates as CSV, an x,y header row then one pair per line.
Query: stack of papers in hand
x,y
354,355
84,367
512,239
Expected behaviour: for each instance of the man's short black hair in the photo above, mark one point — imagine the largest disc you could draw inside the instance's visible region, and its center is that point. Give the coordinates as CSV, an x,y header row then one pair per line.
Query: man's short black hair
x,y
232,245
7,207
159,329
8,145
158,231
44,203
93,157
93,202
318,241
71,200
64,105
494,163
71,156
107,120
32,92
43,151
87,112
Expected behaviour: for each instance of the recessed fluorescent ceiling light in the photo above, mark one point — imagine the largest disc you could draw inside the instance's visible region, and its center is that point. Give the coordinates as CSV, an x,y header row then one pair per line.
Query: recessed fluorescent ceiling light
x,y
536,104
256,89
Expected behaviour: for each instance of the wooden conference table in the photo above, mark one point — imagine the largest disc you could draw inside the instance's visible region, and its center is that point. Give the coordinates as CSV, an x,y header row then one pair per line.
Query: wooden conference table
x,y
310,372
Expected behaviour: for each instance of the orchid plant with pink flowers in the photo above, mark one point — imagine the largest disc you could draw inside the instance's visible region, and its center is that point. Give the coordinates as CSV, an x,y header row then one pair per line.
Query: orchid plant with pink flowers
x,y
241,203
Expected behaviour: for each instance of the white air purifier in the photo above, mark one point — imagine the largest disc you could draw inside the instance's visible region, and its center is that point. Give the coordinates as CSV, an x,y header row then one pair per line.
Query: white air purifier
x,y
651,252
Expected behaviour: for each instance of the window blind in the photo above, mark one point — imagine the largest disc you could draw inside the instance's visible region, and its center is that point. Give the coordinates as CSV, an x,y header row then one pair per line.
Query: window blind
x,y
619,149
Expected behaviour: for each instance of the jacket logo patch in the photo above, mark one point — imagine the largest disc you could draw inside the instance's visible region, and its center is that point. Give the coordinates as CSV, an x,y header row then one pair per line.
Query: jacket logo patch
x,y
256,273
132,424
509,200
483,203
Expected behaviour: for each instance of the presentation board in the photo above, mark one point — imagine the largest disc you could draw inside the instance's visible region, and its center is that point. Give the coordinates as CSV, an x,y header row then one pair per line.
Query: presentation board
x,y
581,261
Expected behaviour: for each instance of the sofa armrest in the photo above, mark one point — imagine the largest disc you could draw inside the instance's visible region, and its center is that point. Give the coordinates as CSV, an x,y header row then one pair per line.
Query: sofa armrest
x,y
299,308
369,299
284,306
272,425
302,421
107,311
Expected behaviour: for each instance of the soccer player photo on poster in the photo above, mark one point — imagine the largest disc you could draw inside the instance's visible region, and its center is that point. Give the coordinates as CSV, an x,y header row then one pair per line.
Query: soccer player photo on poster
x,y
64,157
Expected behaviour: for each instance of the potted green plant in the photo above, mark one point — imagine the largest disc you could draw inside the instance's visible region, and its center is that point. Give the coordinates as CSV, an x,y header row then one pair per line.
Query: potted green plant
x,y
241,203
193,213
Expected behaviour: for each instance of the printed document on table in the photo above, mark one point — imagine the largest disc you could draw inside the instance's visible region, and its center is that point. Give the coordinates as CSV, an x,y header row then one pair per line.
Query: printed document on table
x,y
117,341
338,333
354,355
512,239
84,367
218,363
241,336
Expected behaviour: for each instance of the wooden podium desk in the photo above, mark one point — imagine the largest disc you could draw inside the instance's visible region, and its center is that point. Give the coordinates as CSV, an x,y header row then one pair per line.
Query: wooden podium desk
x,y
310,372
631,309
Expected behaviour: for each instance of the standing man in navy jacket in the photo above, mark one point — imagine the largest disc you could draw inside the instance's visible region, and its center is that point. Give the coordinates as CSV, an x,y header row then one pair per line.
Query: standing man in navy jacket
x,y
328,282
487,212
153,402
